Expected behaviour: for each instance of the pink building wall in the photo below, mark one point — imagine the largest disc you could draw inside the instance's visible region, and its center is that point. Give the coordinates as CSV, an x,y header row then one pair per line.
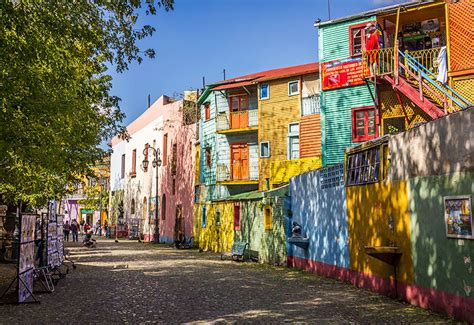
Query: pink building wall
x,y
183,136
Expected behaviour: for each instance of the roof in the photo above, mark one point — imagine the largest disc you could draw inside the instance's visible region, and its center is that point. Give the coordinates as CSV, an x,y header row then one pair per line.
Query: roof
x,y
253,195
368,144
254,78
378,11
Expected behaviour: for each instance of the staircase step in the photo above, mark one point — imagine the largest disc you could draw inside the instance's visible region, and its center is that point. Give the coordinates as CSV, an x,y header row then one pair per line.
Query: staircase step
x,y
433,110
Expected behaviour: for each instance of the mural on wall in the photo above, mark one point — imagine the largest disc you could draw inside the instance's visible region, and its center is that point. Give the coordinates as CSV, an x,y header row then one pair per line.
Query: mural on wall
x,y
458,216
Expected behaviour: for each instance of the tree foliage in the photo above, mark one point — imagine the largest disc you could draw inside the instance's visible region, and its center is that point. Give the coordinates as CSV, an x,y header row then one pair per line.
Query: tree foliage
x,y
55,101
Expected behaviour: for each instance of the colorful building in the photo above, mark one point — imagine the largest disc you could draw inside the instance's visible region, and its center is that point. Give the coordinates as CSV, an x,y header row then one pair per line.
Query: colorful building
x,y
168,127
400,88
409,229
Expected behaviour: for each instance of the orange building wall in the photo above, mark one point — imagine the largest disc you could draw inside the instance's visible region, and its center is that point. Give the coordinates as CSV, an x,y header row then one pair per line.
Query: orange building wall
x,y
310,136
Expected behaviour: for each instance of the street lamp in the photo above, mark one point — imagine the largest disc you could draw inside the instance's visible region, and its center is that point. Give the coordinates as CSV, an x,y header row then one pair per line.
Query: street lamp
x,y
156,163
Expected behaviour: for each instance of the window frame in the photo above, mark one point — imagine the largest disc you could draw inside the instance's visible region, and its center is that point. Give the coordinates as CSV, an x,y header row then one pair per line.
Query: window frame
x,y
360,26
203,217
289,137
237,216
260,91
133,172
366,136
260,148
268,218
292,82
359,170
207,111
122,167
239,97
208,157
165,149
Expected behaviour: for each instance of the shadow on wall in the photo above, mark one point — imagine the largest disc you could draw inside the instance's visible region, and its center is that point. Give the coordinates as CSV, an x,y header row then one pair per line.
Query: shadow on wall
x,y
320,208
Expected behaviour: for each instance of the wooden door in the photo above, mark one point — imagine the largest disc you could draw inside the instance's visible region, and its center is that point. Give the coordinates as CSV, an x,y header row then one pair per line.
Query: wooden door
x,y
234,113
240,161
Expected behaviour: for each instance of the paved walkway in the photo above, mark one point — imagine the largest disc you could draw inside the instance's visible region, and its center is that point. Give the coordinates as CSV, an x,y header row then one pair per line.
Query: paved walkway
x,y
138,283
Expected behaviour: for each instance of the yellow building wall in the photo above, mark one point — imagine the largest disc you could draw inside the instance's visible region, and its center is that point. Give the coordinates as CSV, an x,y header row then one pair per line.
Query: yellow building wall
x,y
212,237
274,116
281,171
369,209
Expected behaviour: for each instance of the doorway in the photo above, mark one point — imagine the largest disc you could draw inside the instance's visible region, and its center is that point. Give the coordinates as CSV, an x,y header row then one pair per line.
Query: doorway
x,y
179,224
239,161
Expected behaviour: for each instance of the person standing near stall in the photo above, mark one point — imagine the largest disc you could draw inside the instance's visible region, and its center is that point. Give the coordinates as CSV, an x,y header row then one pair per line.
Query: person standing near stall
x,y
74,230
66,230
372,44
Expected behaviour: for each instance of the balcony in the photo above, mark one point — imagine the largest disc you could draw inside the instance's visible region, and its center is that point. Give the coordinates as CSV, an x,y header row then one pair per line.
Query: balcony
x,y
310,105
240,174
240,121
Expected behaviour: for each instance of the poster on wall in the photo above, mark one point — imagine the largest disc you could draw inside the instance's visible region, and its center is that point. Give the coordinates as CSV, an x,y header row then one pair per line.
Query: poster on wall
x,y
151,208
458,216
343,73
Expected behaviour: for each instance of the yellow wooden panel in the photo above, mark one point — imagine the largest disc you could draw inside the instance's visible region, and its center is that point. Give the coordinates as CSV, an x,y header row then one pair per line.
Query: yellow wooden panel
x,y
283,170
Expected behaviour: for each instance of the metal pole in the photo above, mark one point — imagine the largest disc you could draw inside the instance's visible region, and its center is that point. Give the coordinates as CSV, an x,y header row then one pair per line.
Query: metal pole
x,y
100,204
157,222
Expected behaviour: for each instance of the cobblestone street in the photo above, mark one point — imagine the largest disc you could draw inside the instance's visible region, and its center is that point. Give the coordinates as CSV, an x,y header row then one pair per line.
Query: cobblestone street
x,y
137,283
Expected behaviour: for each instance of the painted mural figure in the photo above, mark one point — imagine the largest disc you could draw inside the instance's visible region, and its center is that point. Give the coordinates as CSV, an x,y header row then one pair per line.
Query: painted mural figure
x,y
296,230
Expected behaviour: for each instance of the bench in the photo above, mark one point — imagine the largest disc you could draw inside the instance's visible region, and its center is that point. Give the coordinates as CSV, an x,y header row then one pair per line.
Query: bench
x,y
237,253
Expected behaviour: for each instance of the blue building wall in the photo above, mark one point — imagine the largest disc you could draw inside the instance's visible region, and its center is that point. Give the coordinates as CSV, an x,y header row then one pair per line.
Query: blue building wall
x,y
318,204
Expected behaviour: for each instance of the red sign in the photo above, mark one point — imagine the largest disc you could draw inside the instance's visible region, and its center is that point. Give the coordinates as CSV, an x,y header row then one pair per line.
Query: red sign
x,y
342,73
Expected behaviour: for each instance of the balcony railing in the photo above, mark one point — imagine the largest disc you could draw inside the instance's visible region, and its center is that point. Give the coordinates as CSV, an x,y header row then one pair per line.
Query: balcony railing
x,y
225,173
237,120
310,105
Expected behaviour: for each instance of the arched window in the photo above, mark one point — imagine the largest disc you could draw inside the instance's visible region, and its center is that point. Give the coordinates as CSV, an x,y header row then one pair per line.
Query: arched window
x,y
163,207
132,207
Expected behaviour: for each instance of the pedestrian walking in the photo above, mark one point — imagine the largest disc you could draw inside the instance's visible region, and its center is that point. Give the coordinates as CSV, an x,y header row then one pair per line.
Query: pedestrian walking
x,y
97,227
106,229
66,230
74,230
81,228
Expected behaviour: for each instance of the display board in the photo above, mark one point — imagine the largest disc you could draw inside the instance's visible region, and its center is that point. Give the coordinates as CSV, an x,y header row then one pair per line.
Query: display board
x,y
60,238
53,258
26,257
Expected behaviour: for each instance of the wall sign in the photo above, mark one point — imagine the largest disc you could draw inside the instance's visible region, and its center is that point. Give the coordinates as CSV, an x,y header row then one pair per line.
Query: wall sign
x,y
343,73
458,216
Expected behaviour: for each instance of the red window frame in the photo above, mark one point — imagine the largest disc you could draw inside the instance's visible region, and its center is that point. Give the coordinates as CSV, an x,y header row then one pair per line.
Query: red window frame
x,y
239,102
351,40
237,216
366,136
207,111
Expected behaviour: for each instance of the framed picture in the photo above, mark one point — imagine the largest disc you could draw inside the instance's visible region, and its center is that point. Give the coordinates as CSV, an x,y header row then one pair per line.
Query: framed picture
x,y
458,216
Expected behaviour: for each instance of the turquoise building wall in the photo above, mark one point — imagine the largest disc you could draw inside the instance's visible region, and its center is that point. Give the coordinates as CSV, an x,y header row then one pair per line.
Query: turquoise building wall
x,y
337,104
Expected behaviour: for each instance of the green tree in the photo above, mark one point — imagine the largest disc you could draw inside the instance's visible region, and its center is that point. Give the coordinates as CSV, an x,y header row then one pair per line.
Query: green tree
x,y
55,102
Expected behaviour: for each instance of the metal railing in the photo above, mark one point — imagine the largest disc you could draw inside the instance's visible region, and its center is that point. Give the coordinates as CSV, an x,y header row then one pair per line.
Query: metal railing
x,y
224,173
222,121
237,120
310,105
378,62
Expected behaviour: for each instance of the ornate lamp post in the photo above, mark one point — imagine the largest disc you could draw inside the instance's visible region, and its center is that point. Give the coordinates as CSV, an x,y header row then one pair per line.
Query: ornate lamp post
x,y
156,163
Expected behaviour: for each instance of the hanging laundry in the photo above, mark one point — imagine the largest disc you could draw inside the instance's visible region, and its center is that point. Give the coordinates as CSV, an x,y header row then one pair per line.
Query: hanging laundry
x,y
442,66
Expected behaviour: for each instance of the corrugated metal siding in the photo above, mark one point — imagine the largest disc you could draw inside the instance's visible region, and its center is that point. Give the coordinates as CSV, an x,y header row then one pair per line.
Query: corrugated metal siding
x,y
461,34
207,176
336,105
334,39
310,136
337,117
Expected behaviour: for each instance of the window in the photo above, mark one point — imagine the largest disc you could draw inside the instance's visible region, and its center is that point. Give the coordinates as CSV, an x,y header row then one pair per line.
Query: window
x,y
293,141
163,208
133,172
145,169
174,161
310,105
207,111
132,207
208,157
218,217
363,167
196,194
122,167
237,216
357,39
173,187
363,124
264,91
264,149
203,221
238,103
165,149
293,88
267,220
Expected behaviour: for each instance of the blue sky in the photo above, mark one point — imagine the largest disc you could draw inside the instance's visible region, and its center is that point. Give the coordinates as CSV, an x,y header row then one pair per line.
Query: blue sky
x,y
202,37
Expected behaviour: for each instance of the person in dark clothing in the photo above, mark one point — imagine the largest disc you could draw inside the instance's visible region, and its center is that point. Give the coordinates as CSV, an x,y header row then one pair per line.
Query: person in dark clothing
x,y
66,230
74,230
